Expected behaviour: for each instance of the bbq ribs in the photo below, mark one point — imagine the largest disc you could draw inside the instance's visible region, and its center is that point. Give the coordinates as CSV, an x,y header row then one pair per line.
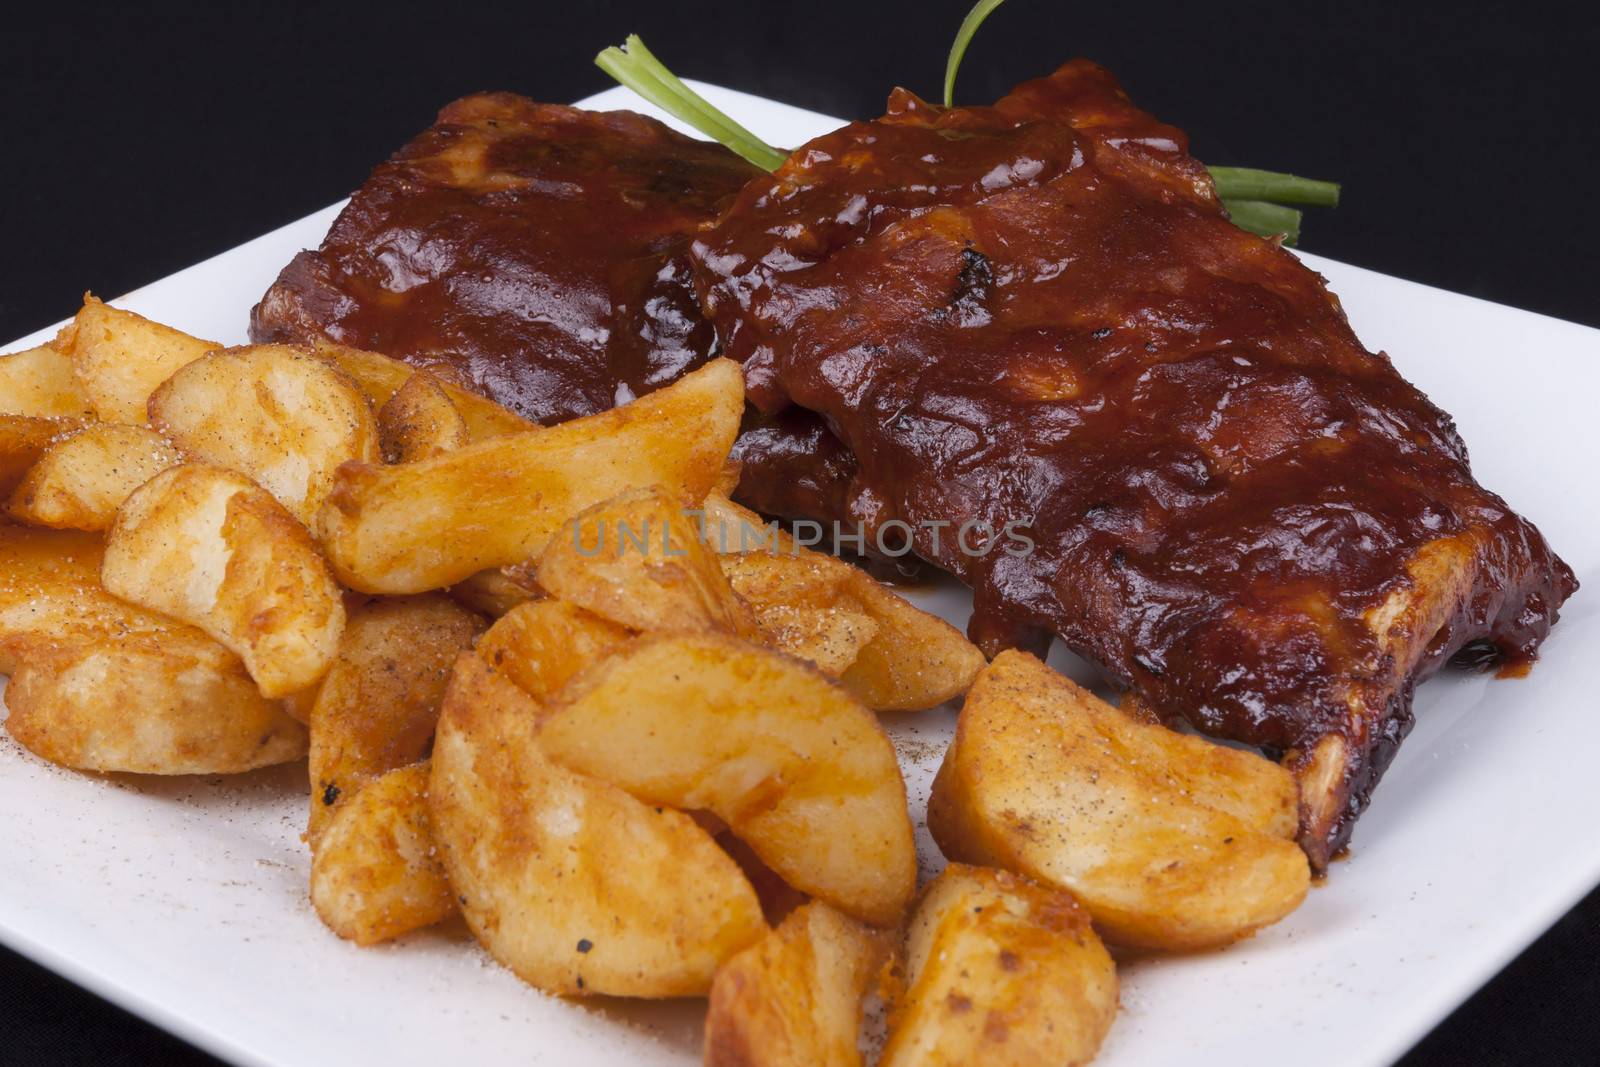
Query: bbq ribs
x,y
1033,314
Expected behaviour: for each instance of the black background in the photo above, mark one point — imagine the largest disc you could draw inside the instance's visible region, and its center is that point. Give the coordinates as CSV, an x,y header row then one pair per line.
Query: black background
x,y
137,142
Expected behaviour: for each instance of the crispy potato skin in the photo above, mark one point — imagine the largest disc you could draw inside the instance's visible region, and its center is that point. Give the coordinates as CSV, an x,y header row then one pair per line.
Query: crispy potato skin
x,y
39,382
794,998
80,480
120,357
273,413
376,708
375,872
542,644
380,377
23,440
208,546
793,764
420,421
429,524
1169,841
802,607
80,658
492,592
533,852
1003,972
638,560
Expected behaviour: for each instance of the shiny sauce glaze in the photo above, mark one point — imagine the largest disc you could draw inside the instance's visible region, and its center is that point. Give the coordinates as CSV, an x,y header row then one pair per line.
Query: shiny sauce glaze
x,y
1038,314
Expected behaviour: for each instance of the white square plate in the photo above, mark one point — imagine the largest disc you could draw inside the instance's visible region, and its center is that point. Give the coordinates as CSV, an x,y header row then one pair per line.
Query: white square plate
x,y
184,900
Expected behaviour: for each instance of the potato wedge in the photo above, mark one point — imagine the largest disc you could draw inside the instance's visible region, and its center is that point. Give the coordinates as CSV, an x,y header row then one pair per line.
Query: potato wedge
x,y
39,382
914,661
794,998
375,871
570,882
1000,971
793,764
381,377
420,421
637,559
275,414
210,547
378,704
542,644
24,440
82,479
492,592
803,606
120,357
99,684
1170,841
425,525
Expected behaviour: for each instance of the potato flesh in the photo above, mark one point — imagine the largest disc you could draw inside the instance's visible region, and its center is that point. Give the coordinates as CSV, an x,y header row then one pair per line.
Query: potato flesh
x,y
80,658
208,546
420,421
637,560
40,382
542,644
376,708
1000,971
1044,779
120,358
273,413
81,480
574,885
24,440
492,592
429,524
792,763
794,998
802,607
375,871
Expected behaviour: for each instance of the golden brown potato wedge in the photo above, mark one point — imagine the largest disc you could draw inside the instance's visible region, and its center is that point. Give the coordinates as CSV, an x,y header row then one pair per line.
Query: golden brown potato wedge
x,y
82,479
210,547
275,414
24,439
120,357
542,644
420,421
1000,971
492,592
914,661
793,764
803,606
99,684
1170,841
381,377
425,525
637,559
40,382
377,706
573,884
375,871
794,998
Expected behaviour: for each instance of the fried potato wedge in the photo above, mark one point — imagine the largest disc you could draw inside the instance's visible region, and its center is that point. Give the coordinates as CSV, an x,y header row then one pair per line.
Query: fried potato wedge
x,y
637,559
793,764
210,547
120,357
1170,841
570,882
375,871
377,706
99,684
911,662
381,377
420,421
429,524
803,607
1000,971
542,644
794,998
40,382
274,413
82,479
24,439
492,592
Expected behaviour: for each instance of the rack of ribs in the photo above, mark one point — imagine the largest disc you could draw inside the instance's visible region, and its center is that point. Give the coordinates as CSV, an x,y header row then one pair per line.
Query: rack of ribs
x,y
1038,313
1032,316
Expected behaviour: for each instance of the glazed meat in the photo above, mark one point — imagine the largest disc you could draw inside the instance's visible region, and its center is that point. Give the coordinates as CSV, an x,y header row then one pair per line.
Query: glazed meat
x,y
1037,316
537,251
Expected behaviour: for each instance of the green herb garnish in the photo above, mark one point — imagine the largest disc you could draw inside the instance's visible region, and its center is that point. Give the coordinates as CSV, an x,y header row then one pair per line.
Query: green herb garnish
x,y
958,48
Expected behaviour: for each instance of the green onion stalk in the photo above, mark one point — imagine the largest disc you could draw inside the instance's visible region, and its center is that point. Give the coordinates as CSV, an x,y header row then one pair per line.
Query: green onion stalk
x,y
1261,201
